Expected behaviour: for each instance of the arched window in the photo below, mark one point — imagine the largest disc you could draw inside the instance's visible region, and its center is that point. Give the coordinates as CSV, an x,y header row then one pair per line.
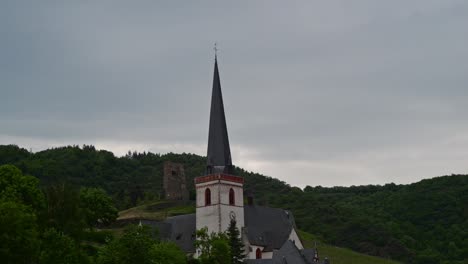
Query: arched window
x,y
258,254
231,197
207,196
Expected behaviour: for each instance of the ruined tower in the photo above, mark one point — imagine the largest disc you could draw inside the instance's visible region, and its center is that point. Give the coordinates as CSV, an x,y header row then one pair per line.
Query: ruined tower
x,y
175,187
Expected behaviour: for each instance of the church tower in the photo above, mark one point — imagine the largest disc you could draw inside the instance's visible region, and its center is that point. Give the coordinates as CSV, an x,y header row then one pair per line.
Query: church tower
x,y
220,195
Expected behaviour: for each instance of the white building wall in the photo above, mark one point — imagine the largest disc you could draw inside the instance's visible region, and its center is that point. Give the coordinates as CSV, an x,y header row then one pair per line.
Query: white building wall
x,y
238,193
295,238
214,188
208,217
253,252
225,217
216,217
267,255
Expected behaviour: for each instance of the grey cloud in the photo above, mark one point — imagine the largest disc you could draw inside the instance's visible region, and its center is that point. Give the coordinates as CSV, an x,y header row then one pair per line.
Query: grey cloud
x,y
328,87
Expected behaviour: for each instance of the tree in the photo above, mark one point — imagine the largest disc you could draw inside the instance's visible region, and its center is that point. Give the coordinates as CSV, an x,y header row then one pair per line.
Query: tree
x,y
58,248
63,210
98,207
14,186
18,233
133,247
212,248
235,242
167,253
220,252
20,200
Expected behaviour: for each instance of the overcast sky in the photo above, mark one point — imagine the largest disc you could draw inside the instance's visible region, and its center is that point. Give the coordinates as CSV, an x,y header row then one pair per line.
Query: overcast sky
x,y
316,92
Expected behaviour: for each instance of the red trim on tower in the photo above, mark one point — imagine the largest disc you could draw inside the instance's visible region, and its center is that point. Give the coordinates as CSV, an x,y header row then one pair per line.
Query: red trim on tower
x,y
219,176
216,204
218,183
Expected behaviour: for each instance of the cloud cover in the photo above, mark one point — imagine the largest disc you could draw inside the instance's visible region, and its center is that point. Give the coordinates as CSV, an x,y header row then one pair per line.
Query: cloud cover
x,y
316,92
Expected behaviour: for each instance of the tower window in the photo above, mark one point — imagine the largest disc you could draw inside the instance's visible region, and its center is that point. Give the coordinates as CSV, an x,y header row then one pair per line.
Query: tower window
x,y
231,197
207,196
258,254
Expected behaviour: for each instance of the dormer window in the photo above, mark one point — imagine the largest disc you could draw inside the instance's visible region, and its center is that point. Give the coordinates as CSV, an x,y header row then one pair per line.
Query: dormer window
x,y
207,197
231,197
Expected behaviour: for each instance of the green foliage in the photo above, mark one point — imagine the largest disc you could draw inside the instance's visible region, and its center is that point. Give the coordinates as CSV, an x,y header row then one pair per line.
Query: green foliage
x,y
133,247
98,207
213,248
19,242
158,210
411,223
235,243
167,253
338,255
11,154
97,236
58,248
220,252
129,179
138,245
20,200
14,186
63,210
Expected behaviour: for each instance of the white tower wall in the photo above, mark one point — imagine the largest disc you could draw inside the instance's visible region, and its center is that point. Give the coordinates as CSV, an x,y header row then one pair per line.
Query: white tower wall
x,y
217,216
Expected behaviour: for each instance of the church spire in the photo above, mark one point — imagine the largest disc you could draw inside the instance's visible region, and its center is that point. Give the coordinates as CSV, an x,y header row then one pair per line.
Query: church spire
x,y
219,152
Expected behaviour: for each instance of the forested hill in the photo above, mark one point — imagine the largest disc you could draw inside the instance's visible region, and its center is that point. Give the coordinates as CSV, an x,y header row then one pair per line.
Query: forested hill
x,y
424,222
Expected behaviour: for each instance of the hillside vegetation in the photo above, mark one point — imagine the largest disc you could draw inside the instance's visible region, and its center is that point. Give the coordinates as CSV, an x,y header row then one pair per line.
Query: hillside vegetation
x,y
338,255
158,211
424,222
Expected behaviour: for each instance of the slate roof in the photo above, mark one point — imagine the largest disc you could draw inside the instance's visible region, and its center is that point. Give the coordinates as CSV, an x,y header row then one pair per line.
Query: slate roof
x,y
308,253
219,152
178,229
267,227
287,254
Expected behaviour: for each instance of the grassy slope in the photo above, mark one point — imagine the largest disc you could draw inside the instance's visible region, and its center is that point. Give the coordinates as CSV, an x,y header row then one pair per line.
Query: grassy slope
x,y
156,210
161,209
338,255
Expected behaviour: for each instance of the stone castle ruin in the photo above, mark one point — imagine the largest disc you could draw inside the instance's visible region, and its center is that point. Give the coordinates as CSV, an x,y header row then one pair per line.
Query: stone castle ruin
x,y
174,183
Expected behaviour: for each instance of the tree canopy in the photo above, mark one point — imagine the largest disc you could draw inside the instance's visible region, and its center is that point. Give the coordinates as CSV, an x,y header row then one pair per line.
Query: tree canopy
x,y
235,243
139,245
411,223
212,248
98,206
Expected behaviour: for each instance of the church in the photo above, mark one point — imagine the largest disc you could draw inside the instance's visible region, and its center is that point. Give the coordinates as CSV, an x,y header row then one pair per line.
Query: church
x,y
269,234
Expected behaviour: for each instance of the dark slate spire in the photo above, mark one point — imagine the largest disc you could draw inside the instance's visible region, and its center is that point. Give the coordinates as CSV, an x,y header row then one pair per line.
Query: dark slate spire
x,y
219,153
